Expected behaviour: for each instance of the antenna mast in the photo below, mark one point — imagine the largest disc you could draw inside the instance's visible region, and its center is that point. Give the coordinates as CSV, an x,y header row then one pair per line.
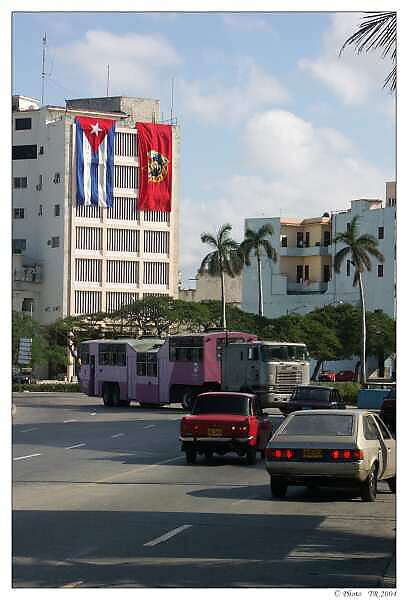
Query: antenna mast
x,y
43,74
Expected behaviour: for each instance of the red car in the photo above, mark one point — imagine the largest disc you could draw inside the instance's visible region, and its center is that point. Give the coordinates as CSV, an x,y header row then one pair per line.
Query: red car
x,y
327,376
345,376
224,422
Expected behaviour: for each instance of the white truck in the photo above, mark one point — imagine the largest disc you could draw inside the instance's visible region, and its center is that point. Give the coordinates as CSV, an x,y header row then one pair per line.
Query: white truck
x,y
271,370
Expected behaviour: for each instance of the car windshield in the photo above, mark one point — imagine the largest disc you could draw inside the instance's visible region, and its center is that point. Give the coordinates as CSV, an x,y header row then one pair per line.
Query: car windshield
x,y
318,425
221,404
311,395
284,352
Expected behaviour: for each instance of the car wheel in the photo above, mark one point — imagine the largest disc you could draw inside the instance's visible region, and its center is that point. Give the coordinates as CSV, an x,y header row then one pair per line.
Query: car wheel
x,y
369,487
278,488
251,455
392,484
191,455
208,454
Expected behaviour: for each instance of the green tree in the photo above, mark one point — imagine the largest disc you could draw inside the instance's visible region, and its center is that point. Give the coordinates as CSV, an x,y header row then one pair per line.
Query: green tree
x,y
23,326
377,31
225,258
257,242
381,334
359,249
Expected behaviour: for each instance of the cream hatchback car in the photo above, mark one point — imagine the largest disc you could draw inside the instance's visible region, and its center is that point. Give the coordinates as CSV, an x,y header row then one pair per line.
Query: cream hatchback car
x,y
331,447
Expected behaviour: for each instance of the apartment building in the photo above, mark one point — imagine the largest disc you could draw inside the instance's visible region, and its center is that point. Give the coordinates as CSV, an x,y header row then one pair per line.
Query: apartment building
x,y
209,288
73,260
303,276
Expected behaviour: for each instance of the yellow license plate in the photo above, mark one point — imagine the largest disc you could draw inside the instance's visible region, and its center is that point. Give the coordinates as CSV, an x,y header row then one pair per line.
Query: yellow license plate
x,y
312,453
213,432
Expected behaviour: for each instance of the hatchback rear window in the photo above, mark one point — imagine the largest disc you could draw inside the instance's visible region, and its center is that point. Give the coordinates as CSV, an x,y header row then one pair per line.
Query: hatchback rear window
x,y
319,425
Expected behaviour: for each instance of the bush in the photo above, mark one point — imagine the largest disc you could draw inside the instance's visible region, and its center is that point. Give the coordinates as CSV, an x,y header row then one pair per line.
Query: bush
x,y
349,391
46,387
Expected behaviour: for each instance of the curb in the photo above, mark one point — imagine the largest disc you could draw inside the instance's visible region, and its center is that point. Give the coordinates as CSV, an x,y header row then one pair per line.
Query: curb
x,y
389,577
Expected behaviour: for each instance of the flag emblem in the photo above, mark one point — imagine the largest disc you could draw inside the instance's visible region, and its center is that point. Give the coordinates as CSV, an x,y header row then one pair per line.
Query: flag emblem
x,y
95,141
157,166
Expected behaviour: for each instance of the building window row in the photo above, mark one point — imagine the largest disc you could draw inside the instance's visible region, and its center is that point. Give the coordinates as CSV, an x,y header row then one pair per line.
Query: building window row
x,y
90,211
123,240
126,177
19,183
156,242
18,213
88,269
125,144
24,152
122,271
87,302
156,273
19,245
124,209
156,216
116,300
23,123
88,238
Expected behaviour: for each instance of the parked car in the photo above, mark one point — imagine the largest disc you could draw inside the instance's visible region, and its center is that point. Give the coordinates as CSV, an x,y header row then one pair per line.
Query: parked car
x,y
345,376
22,378
307,397
224,422
345,448
327,376
388,410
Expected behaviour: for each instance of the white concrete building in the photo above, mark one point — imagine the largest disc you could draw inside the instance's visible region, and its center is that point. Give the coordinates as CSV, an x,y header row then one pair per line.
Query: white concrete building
x,y
71,260
303,277
209,288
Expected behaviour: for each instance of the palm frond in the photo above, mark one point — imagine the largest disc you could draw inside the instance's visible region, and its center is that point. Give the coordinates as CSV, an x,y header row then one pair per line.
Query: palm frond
x,y
209,239
339,258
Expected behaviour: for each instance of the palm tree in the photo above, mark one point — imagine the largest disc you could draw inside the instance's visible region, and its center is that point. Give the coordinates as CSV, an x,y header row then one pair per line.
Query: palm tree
x,y
225,258
255,241
359,249
377,30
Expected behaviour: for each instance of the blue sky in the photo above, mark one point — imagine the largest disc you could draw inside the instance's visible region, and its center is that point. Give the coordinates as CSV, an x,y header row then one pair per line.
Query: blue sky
x,y
272,120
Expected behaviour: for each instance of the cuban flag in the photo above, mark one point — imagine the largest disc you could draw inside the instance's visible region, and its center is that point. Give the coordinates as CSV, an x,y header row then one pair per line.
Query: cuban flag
x,y
95,140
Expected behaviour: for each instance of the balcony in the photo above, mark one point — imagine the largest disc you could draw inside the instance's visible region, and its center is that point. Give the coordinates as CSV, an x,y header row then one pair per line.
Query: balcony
x,y
28,274
307,287
317,250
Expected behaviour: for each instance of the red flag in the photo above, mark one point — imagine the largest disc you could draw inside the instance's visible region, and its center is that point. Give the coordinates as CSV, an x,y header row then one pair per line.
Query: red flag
x,y
155,161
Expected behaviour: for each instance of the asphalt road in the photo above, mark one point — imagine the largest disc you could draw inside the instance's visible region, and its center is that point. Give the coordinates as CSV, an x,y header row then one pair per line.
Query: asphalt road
x,y
103,498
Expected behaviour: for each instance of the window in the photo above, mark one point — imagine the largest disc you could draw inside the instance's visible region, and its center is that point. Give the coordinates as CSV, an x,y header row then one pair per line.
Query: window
x,y
326,273
326,238
40,210
24,152
324,424
57,210
384,431
253,353
307,240
369,429
112,354
284,241
23,124
19,213
348,226
146,364
186,349
299,273
55,242
19,246
306,272
84,354
299,239
381,233
19,182
348,268
380,270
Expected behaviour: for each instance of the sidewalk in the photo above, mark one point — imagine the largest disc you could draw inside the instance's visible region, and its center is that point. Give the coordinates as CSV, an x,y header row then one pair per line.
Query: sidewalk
x,y
389,577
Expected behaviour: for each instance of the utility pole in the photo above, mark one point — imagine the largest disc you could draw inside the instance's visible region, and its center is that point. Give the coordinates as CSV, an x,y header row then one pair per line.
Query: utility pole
x,y
43,73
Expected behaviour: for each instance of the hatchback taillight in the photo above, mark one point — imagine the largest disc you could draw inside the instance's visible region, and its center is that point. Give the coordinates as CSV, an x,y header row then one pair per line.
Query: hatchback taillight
x,y
274,453
347,454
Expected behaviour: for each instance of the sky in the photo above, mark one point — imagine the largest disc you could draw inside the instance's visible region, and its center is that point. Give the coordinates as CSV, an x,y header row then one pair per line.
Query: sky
x,y
273,121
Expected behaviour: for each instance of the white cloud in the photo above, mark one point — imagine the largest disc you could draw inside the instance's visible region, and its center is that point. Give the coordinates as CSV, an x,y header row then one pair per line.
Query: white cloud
x,y
354,78
246,22
136,61
213,101
294,169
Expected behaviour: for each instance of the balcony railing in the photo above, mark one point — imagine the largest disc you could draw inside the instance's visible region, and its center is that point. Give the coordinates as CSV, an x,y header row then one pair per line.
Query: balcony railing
x,y
307,287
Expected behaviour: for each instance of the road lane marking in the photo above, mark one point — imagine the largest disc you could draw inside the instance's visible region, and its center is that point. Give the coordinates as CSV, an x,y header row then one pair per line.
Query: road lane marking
x,y
93,414
71,421
149,426
27,430
28,456
117,435
75,446
167,536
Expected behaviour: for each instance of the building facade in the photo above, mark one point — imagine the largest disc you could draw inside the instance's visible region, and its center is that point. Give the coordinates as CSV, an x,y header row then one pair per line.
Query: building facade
x,y
73,260
209,288
303,276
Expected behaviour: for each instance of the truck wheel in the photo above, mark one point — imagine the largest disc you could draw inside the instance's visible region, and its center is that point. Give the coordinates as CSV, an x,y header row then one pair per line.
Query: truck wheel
x,y
106,394
369,486
278,488
251,455
392,484
191,455
187,399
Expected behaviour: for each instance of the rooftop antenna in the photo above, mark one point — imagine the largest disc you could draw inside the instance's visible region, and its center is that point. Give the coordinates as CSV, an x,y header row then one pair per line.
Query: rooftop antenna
x,y
43,73
107,80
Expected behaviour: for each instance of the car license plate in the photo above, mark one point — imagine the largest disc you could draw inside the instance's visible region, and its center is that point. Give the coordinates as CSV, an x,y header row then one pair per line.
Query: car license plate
x,y
312,453
214,432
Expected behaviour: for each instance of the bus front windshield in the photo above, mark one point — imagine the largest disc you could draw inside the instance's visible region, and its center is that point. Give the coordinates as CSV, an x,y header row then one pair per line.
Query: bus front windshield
x,y
284,352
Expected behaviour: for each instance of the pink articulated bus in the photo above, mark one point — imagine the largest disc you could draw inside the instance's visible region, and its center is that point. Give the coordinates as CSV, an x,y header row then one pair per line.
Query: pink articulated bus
x,y
153,371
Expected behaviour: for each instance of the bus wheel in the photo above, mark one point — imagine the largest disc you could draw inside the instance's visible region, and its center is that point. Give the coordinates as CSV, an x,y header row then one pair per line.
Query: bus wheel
x,y
115,395
187,399
106,394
